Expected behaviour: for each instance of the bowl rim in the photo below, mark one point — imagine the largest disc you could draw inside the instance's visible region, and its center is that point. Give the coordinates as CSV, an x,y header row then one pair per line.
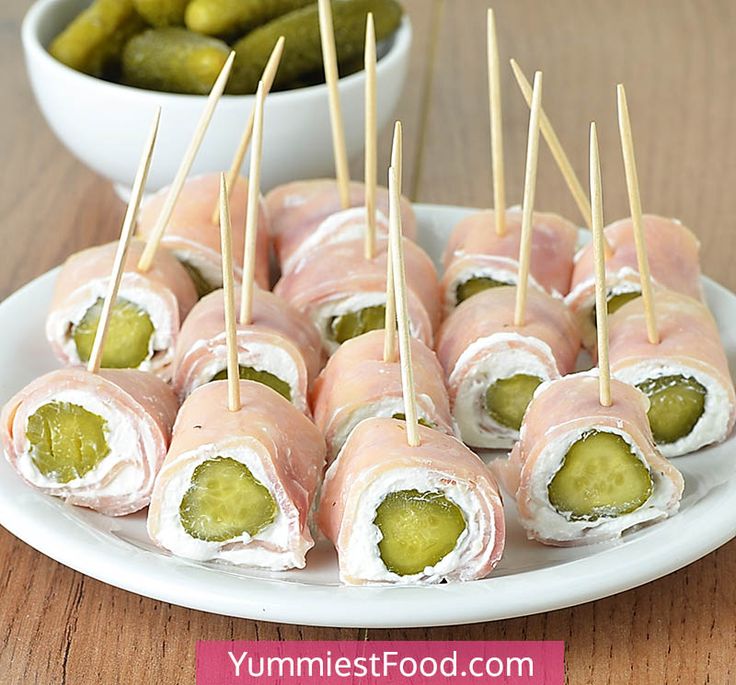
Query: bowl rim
x,y
33,47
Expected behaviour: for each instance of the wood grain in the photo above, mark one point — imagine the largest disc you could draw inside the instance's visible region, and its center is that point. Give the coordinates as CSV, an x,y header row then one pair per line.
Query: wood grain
x,y
677,61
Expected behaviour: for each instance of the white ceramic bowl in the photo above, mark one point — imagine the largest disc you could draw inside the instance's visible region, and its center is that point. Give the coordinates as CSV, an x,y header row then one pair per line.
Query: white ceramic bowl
x,y
105,124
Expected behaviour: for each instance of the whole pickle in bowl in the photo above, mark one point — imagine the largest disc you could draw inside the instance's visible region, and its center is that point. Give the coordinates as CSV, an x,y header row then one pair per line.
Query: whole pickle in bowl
x,y
236,17
162,12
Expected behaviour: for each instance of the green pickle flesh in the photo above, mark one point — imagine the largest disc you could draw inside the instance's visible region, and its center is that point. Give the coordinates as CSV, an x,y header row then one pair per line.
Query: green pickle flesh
x,y
128,336
202,285
235,17
162,12
353,324
615,302
475,285
600,476
225,500
248,373
676,404
422,422
508,398
67,441
419,529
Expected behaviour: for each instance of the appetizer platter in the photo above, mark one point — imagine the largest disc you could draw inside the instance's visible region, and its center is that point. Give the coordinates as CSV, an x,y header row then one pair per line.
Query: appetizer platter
x,y
404,430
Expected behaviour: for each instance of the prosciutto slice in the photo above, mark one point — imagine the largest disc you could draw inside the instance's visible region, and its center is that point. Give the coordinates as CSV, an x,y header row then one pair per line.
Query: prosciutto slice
x,y
357,384
165,292
279,445
562,412
376,461
280,340
479,344
139,410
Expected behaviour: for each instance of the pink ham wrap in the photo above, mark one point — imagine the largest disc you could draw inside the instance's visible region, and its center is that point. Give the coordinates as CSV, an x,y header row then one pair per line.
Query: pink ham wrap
x,y
562,412
165,291
279,339
279,445
377,460
357,384
192,236
475,249
139,409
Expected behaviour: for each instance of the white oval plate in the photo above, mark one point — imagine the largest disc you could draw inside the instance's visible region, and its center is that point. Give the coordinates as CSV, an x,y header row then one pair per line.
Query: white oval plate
x,y
531,578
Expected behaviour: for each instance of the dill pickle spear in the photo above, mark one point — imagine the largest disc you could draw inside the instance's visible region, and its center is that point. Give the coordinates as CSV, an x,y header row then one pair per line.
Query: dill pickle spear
x,y
202,285
225,500
174,60
353,324
676,404
162,12
475,285
302,49
615,302
128,336
236,17
422,422
67,441
600,476
94,40
248,373
419,529
508,398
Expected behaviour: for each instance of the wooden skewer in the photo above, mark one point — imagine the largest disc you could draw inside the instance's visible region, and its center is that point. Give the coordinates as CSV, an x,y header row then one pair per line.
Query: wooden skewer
x,y
131,214
251,217
371,137
329,57
228,285
494,103
149,252
390,350
601,304
553,142
632,184
402,310
268,76
530,185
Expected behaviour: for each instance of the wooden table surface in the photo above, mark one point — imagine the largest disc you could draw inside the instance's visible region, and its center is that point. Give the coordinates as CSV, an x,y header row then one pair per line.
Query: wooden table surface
x,y
678,62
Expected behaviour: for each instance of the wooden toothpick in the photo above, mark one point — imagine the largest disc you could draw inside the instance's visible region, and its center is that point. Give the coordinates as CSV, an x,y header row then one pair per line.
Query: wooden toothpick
x,y
251,217
371,136
530,184
555,147
149,252
494,104
599,256
390,350
228,286
131,214
632,185
329,57
269,74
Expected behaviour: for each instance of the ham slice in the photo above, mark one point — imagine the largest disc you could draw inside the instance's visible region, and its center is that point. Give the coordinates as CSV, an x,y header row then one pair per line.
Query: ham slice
x,y
165,292
357,384
280,340
479,344
280,446
139,410
192,236
376,461
562,412
689,346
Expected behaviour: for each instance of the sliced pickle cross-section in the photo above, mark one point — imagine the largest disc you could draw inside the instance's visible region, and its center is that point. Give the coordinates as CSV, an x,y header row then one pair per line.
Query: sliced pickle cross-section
x,y
676,405
418,528
615,302
353,324
67,441
248,373
600,477
224,501
475,285
422,422
508,398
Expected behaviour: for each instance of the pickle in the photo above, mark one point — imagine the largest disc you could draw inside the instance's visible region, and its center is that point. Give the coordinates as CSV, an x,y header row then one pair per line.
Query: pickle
x,y
162,12
67,441
202,285
353,324
600,477
173,60
248,373
508,398
236,17
94,40
302,49
419,529
475,285
224,501
676,405
615,302
129,335
422,422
